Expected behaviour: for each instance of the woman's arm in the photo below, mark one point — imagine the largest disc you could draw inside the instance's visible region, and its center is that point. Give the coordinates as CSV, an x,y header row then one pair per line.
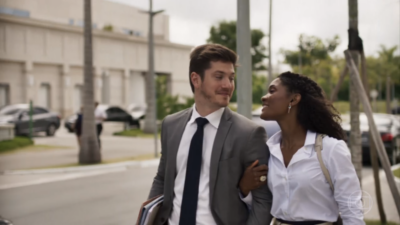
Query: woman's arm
x,y
347,190
250,181
251,178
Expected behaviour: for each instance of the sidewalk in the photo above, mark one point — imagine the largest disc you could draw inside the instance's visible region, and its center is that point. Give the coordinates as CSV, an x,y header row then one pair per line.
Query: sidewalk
x,y
113,147
389,206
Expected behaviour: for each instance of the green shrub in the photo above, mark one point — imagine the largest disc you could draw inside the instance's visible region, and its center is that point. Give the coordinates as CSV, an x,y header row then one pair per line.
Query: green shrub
x,y
169,104
396,173
17,142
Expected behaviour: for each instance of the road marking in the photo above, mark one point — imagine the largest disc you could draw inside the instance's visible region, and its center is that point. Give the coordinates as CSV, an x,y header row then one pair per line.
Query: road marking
x,y
62,178
75,172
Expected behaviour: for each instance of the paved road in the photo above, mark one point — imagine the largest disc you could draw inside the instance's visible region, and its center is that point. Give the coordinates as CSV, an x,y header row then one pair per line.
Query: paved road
x,y
103,197
114,147
110,198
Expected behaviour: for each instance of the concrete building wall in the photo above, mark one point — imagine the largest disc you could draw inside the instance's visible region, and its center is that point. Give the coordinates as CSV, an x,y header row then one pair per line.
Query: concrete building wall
x,y
116,87
11,73
50,75
137,83
34,52
120,16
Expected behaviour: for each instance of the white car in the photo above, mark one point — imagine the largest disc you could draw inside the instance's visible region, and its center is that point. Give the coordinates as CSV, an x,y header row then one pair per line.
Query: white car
x,y
270,126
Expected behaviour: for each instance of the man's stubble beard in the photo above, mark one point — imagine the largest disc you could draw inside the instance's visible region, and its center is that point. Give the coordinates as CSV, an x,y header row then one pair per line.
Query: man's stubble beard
x,y
209,98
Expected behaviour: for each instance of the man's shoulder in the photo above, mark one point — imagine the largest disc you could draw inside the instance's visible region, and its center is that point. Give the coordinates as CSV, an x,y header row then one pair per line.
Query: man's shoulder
x,y
177,116
243,122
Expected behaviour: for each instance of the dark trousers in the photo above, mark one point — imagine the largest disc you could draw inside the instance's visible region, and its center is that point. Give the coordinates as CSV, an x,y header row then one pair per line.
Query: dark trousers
x,y
99,128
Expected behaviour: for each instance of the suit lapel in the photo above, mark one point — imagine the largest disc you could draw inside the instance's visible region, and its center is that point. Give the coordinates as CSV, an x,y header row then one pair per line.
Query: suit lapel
x,y
176,136
223,130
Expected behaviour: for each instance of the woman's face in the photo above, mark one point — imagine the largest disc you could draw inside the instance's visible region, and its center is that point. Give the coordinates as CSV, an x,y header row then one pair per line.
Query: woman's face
x,y
276,102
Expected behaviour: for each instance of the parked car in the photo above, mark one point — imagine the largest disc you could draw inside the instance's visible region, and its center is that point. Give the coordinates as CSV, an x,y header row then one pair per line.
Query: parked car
x,y
137,111
42,119
396,110
4,221
271,126
389,128
114,114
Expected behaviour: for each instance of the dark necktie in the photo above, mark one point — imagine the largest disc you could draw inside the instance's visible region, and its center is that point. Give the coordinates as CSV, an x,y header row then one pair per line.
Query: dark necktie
x,y
192,180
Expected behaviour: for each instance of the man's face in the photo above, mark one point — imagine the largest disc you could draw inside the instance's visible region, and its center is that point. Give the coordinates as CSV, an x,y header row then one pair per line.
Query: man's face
x,y
218,84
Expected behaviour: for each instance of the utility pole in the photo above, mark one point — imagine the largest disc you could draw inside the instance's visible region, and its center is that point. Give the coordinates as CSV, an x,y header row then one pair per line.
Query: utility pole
x,y
354,47
244,71
150,122
269,45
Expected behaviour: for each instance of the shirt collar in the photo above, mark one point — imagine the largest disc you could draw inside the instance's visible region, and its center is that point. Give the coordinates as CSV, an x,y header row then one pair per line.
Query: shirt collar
x,y
213,118
274,142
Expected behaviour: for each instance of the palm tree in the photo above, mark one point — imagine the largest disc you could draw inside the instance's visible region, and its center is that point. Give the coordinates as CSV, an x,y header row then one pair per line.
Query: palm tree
x,y
89,151
386,55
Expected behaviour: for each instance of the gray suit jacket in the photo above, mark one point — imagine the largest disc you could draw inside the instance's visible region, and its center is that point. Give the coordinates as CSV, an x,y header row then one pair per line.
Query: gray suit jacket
x,y
238,143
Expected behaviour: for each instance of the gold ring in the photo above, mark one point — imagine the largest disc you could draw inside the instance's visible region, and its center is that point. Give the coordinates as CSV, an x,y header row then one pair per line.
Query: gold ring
x,y
263,178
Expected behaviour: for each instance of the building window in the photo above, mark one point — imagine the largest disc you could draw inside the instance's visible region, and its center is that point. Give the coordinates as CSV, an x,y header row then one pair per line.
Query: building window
x,y
127,31
14,12
44,95
4,94
80,23
131,32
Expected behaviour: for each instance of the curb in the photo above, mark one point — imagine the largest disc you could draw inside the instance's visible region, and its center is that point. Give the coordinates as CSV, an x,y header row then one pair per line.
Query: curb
x,y
396,179
144,163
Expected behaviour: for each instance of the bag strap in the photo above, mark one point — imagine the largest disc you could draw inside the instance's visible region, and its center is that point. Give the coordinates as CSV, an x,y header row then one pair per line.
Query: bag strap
x,y
318,148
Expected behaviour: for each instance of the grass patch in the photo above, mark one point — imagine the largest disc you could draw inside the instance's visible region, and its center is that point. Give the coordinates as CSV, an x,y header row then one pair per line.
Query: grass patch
x,y
396,173
17,142
32,148
344,107
377,222
135,158
135,133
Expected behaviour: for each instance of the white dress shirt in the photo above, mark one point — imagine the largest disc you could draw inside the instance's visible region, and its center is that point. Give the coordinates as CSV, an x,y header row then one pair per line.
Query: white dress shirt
x,y
203,216
301,191
99,113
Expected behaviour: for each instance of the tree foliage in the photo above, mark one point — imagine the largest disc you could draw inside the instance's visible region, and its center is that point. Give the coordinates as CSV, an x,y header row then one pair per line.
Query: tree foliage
x,y
312,50
225,34
166,103
316,61
319,64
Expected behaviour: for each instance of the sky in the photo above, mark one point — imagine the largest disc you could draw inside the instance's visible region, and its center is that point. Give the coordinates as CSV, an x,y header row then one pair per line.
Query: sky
x,y
191,20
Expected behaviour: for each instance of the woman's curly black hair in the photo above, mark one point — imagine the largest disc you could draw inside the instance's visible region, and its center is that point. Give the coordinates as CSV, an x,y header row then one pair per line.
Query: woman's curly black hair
x,y
315,112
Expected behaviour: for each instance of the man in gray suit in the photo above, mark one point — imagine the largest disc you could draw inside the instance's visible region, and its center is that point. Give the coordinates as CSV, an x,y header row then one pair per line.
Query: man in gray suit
x,y
207,148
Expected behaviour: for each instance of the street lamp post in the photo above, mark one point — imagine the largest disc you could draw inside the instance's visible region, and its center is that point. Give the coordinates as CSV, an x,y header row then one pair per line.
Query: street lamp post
x,y
151,87
243,45
269,45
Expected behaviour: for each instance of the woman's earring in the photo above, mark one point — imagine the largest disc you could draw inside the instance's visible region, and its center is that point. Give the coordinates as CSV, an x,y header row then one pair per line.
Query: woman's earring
x,y
290,106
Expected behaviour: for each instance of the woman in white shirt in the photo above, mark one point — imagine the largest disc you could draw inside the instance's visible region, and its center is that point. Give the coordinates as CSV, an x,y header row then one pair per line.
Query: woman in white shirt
x,y
301,193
